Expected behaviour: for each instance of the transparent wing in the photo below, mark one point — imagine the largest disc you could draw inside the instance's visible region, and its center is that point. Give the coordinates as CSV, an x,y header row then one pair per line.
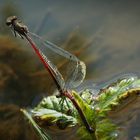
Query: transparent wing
x,y
55,72
70,67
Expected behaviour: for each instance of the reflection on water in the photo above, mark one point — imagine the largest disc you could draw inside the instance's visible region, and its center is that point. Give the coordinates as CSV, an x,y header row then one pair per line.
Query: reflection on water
x,y
19,85
13,125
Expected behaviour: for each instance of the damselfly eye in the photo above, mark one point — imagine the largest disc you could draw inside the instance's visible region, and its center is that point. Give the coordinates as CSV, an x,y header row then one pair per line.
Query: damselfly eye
x,y
8,23
10,20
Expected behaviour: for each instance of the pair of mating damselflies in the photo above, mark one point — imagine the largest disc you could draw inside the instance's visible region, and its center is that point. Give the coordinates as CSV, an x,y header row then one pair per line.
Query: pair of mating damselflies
x,y
76,69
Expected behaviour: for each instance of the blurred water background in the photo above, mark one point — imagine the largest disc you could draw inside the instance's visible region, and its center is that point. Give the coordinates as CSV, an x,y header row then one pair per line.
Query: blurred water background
x,y
103,34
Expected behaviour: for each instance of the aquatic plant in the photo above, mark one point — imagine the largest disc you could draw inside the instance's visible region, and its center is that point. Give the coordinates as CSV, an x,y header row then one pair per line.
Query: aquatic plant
x,y
97,109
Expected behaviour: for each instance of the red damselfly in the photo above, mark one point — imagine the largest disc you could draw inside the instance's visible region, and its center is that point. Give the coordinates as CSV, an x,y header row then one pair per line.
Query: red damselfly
x,y
48,53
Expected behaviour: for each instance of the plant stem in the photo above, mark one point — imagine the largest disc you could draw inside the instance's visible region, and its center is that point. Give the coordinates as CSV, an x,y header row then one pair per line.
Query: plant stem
x,y
78,108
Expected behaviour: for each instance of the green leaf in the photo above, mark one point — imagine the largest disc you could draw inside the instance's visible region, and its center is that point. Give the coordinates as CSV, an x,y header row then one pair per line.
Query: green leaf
x,y
55,111
62,105
61,112
53,117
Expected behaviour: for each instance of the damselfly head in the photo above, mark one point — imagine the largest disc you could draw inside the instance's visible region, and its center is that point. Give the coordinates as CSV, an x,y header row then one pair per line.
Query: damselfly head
x,y
10,20
17,26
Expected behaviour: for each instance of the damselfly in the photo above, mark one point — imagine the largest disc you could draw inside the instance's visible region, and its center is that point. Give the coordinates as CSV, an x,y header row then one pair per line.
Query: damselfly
x,y
48,53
